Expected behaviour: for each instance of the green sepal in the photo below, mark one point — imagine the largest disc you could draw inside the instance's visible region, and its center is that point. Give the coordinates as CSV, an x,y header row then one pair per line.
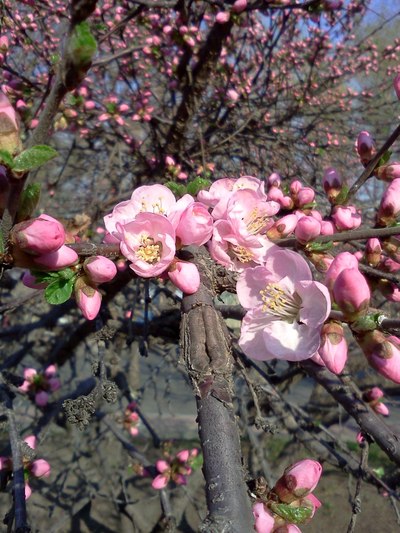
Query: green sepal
x,y
6,158
59,291
368,322
319,246
178,189
293,515
384,159
198,184
33,157
82,46
341,198
28,201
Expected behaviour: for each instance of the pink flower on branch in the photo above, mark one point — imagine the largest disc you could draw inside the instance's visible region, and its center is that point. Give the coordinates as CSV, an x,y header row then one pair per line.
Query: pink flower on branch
x,y
286,308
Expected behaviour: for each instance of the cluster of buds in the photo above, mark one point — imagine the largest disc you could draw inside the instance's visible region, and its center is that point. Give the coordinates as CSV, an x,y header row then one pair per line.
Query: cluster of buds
x,y
290,497
176,469
32,467
97,269
374,399
131,419
39,386
174,170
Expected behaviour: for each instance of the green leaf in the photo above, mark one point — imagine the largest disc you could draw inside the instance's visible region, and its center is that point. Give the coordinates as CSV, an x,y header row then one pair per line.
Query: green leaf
x,y
198,184
59,291
82,46
177,188
319,246
380,471
28,201
51,276
33,157
197,462
384,159
294,515
6,158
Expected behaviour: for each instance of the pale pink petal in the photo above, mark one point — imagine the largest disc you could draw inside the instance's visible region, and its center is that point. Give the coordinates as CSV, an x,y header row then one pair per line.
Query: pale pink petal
x,y
40,468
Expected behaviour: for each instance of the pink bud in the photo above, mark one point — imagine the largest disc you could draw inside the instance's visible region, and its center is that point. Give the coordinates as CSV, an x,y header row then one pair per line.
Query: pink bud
x,y
341,261
381,409
282,227
40,468
58,260
30,373
386,360
307,229
390,204
4,44
373,252
396,85
54,384
100,269
332,183
346,217
274,180
87,298
352,293
222,17
360,438
240,5
31,441
295,187
162,465
41,398
28,491
313,501
50,371
333,349
305,196
30,281
366,147
327,227
388,172
264,521
298,481
134,431
183,455
374,394
180,479
39,235
275,194
159,482
185,276
195,226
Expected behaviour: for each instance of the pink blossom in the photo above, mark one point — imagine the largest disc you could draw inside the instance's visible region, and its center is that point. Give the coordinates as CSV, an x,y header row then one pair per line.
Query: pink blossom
x,y
39,235
286,309
58,260
352,293
149,243
185,276
264,521
298,480
100,269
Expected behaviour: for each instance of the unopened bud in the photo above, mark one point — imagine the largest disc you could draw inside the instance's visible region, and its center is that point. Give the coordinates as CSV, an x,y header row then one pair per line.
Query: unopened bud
x,y
366,147
352,293
373,252
9,127
298,481
100,269
87,298
39,235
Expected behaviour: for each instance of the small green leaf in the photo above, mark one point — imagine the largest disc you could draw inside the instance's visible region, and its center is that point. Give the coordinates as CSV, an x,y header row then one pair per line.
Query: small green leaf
x,y
177,188
82,46
319,246
51,276
367,323
384,159
294,515
33,157
29,199
198,184
59,291
6,158
197,462
380,471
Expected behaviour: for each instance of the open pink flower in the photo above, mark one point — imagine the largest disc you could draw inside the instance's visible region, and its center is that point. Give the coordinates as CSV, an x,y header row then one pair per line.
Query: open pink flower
x,y
40,385
149,243
286,308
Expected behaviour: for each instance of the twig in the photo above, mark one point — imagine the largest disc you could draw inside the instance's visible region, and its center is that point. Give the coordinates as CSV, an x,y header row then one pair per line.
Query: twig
x,y
356,507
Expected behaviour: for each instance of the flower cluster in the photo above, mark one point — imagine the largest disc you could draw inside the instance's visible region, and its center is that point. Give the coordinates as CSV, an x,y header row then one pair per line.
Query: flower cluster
x,y
32,467
175,469
39,386
374,399
291,501
131,419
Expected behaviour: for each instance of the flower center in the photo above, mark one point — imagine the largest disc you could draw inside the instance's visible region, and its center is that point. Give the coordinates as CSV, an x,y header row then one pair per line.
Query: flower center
x,y
156,207
149,250
256,222
279,303
241,253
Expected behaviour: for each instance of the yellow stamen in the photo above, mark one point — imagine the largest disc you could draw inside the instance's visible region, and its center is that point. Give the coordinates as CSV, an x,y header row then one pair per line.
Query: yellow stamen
x,y
278,302
149,250
241,253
